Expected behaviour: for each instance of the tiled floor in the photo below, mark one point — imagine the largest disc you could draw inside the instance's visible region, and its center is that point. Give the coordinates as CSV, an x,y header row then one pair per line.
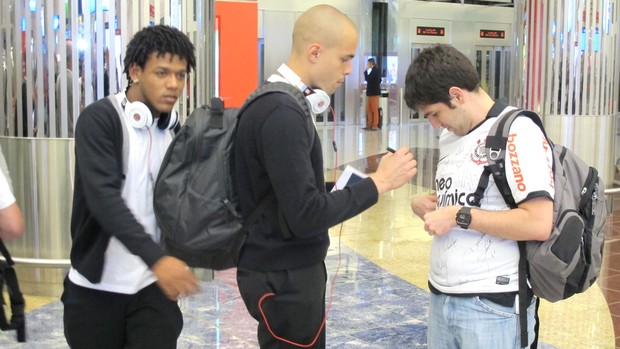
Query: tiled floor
x,y
609,281
378,266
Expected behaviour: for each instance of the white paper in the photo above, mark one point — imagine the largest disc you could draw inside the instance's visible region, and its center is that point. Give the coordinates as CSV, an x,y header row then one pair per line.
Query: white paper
x,y
348,177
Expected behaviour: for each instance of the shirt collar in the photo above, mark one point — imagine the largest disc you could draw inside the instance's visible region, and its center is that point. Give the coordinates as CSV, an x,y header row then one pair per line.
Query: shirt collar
x,y
497,108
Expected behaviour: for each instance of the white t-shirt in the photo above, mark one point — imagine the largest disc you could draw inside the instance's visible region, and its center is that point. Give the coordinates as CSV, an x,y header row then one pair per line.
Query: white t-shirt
x,y
6,196
468,261
124,272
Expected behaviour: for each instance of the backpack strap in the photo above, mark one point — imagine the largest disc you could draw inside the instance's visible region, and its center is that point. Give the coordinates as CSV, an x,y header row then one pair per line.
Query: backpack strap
x,y
495,148
283,87
8,276
217,112
217,104
279,87
523,289
496,154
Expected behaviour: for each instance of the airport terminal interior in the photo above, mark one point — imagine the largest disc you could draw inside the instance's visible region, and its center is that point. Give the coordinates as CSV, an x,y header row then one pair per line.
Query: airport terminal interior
x,y
377,268
557,57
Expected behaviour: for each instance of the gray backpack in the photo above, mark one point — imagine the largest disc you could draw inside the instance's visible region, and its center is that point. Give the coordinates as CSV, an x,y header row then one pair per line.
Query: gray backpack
x,y
195,199
570,260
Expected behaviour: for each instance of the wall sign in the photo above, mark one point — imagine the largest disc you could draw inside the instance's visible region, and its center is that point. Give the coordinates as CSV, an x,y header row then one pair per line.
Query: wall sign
x,y
431,31
492,34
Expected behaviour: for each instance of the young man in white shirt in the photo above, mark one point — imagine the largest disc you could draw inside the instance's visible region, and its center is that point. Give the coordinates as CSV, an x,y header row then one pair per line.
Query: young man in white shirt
x,y
474,254
122,290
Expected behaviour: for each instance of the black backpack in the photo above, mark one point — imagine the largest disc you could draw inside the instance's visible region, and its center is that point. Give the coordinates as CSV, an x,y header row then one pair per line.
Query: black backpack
x,y
195,199
9,277
570,260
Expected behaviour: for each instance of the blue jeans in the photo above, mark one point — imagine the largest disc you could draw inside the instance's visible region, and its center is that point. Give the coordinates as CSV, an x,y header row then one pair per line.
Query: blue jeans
x,y
475,323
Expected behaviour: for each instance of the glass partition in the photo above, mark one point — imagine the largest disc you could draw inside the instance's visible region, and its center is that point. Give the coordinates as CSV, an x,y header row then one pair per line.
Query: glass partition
x,y
58,57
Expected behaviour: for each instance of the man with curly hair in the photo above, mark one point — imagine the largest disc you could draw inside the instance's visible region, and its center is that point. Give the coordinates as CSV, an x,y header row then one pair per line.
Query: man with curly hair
x,y
122,290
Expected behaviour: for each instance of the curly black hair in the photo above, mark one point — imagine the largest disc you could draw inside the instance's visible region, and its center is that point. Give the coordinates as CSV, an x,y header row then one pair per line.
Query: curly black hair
x,y
161,39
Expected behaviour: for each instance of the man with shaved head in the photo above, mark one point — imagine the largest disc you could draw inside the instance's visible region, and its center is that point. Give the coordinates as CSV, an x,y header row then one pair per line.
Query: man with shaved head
x,y
281,273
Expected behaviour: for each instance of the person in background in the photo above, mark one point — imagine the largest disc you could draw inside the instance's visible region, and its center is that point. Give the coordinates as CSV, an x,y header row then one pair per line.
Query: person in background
x,y
69,99
24,102
281,271
122,290
373,91
474,254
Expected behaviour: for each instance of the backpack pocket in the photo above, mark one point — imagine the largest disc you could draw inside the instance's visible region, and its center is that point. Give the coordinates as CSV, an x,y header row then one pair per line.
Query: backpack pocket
x,y
569,238
594,212
557,266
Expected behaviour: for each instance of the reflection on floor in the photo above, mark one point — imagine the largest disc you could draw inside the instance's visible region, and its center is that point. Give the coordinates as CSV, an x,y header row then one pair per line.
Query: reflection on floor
x,y
609,280
583,321
380,263
370,308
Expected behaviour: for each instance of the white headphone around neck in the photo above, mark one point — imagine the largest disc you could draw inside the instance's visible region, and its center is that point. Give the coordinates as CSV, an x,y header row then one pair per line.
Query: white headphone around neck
x,y
139,116
319,100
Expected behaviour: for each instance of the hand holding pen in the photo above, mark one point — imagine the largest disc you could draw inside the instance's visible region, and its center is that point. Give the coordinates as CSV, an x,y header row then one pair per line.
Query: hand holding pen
x,y
396,168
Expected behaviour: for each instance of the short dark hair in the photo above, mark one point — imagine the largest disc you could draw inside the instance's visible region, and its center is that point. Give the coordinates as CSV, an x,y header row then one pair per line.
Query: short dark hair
x,y
434,71
161,39
372,61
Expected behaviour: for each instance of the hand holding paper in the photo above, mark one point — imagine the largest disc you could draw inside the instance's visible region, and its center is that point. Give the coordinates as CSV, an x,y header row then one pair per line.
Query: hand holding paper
x,y
348,177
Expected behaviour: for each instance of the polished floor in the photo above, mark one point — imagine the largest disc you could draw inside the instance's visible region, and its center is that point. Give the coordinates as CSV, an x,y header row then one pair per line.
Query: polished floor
x,y
378,267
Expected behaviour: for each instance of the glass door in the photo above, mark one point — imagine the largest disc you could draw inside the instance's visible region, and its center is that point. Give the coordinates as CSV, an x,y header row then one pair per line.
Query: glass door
x,y
409,115
493,65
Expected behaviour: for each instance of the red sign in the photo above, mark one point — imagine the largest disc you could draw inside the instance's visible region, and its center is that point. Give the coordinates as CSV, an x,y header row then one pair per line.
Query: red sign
x,y
431,31
492,34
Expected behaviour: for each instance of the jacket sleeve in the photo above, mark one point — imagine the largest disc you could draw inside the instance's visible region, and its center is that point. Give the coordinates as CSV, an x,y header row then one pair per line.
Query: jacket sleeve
x,y
98,150
293,168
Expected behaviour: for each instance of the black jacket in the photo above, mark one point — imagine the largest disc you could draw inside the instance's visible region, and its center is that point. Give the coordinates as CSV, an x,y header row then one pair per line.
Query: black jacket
x,y
274,152
99,211
373,82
